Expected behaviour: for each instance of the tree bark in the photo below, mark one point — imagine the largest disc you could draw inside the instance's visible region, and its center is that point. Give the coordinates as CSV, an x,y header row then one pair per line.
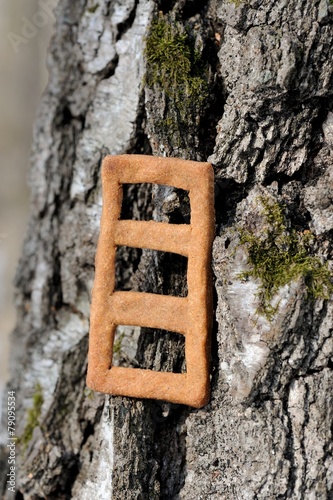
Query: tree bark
x,y
267,128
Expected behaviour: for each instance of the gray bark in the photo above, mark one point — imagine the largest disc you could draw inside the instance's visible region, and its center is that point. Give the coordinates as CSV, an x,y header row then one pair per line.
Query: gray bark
x,y
268,131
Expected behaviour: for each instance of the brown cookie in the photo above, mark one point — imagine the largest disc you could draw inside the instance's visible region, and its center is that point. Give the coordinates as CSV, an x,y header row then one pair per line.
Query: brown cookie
x,y
190,316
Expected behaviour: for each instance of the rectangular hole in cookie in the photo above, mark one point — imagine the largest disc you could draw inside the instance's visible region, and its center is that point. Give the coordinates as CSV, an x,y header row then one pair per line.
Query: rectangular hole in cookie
x,y
150,349
133,271
141,200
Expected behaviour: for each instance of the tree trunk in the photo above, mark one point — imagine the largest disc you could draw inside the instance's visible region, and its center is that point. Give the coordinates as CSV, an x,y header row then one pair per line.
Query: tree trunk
x,y
257,103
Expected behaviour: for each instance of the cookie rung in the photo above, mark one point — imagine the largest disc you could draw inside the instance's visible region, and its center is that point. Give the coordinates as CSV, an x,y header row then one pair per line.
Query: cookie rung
x,y
152,384
150,310
143,234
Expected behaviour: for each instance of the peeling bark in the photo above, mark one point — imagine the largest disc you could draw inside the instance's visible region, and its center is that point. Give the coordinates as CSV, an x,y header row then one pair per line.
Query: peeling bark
x,y
267,129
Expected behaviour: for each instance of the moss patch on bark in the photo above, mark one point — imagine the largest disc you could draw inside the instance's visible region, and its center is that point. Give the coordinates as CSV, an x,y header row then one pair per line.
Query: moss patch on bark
x,y
33,416
281,255
175,68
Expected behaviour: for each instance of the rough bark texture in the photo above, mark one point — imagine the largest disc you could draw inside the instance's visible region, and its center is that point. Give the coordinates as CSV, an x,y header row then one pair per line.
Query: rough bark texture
x,y
267,127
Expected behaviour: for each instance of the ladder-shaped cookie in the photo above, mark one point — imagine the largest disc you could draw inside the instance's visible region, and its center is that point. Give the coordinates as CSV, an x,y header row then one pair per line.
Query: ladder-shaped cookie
x,y
190,316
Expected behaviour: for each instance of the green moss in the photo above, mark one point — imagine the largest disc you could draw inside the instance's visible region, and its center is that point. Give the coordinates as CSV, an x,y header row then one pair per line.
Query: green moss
x,y
174,65
117,344
237,3
32,416
89,393
93,9
281,255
